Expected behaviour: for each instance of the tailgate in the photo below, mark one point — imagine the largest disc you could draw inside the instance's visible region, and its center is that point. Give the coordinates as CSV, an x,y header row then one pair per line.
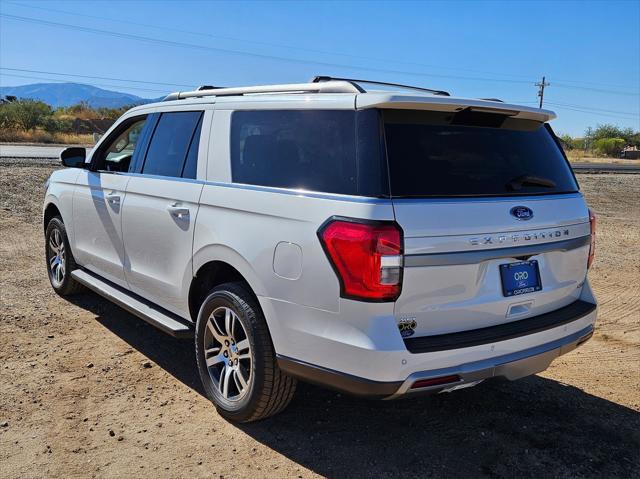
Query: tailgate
x,y
453,252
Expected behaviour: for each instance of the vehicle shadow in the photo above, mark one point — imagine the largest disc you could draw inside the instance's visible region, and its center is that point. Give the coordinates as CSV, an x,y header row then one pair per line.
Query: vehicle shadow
x,y
532,427
176,356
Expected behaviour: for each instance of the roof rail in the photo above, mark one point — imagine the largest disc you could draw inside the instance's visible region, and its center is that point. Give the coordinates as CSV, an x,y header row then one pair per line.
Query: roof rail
x,y
338,86
354,82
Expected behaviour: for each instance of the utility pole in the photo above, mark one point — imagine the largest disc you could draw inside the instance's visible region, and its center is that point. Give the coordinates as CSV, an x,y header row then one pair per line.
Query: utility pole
x,y
541,86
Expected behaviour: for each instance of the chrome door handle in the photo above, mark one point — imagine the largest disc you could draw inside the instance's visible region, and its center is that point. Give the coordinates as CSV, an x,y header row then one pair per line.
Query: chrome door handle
x,y
178,211
113,199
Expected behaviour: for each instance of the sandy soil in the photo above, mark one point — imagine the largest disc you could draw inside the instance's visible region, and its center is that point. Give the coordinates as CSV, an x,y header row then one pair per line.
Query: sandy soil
x,y
90,391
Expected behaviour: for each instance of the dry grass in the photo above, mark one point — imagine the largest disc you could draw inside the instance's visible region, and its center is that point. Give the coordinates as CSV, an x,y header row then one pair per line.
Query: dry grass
x,y
583,156
41,136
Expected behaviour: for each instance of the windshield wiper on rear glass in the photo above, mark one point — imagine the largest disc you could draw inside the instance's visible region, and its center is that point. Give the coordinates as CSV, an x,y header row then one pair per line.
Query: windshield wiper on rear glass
x,y
518,182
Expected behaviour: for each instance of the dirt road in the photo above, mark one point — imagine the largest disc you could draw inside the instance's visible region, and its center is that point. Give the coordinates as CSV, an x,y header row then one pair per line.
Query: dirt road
x,y
87,390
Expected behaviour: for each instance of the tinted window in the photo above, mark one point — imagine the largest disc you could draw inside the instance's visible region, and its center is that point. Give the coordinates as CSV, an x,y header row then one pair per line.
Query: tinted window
x,y
169,145
119,151
469,154
313,150
191,165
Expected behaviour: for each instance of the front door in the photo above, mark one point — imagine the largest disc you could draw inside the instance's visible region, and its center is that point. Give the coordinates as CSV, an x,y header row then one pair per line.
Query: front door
x,y
98,201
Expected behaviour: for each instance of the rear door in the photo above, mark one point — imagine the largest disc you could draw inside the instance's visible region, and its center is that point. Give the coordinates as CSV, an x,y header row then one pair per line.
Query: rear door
x,y
495,229
160,212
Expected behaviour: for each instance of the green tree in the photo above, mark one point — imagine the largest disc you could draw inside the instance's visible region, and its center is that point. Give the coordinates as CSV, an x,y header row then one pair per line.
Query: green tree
x,y
567,141
27,114
612,131
609,146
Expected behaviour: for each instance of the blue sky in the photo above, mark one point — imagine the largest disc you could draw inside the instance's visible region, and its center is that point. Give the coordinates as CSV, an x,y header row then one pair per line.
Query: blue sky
x,y
589,51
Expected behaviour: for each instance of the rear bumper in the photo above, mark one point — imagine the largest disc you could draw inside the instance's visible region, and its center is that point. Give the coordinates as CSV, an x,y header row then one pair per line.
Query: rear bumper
x,y
533,358
511,366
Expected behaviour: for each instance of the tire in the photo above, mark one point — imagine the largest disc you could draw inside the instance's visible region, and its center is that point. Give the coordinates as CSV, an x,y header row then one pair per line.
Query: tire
x,y
255,387
59,259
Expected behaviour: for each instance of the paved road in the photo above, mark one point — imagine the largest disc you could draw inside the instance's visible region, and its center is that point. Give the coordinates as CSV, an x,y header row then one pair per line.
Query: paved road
x,y
605,168
30,151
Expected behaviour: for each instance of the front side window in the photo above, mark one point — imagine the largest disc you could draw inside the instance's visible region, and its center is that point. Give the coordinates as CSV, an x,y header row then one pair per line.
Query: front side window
x,y
314,150
119,152
173,139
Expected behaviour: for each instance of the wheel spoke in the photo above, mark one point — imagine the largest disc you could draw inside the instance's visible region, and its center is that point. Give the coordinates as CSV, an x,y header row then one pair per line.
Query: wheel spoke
x,y
211,324
228,320
234,320
238,377
56,238
212,351
52,246
215,360
224,383
242,345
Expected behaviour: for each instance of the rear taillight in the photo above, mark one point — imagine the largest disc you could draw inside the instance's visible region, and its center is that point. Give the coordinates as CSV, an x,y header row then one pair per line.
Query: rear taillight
x,y
367,257
592,246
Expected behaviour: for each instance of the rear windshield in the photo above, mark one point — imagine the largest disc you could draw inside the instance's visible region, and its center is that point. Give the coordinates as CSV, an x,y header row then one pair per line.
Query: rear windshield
x,y
437,154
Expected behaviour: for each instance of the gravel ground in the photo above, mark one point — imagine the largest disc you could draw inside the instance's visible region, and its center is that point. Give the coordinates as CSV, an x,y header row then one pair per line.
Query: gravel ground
x,y
90,391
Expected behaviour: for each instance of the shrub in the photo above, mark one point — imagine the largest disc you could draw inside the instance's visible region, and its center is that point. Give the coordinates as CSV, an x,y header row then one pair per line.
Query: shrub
x,y
6,117
54,125
609,146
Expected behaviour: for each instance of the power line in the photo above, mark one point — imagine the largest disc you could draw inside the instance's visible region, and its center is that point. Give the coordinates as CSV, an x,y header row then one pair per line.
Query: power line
x,y
559,107
599,90
95,77
246,53
58,80
595,109
614,85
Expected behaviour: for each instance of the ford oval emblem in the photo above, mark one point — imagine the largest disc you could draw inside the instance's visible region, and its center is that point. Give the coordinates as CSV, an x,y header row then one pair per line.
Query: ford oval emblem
x,y
521,213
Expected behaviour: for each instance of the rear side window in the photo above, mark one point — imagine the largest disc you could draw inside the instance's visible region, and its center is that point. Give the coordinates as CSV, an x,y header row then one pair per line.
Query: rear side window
x,y
170,145
315,150
436,154
191,164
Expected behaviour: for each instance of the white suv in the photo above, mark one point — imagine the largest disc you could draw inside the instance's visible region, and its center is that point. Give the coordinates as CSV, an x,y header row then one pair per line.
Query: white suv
x,y
383,243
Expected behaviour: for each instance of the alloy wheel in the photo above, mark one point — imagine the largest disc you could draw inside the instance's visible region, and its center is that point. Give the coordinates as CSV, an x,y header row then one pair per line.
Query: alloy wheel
x,y
56,257
228,355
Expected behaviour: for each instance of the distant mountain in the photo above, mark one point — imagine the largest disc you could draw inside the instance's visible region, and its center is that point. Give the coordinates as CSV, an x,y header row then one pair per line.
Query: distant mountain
x,y
67,94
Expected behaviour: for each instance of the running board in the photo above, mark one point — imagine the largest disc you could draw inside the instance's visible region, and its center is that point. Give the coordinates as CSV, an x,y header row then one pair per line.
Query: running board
x,y
152,314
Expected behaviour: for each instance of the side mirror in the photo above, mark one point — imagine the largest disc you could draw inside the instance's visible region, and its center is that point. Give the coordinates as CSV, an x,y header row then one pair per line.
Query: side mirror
x,y
73,157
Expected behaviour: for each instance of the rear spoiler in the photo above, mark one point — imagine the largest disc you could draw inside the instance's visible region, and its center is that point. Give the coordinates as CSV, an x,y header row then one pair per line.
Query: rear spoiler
x,y
439,103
